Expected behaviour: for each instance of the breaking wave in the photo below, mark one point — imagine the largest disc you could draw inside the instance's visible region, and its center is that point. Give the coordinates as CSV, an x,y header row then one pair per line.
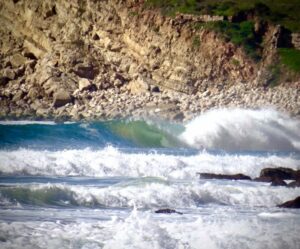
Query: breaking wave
x,y
148,193
221,129
111,161
243,129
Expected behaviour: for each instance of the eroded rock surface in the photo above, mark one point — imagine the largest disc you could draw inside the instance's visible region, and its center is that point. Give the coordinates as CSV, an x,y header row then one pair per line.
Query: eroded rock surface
x,y
116,59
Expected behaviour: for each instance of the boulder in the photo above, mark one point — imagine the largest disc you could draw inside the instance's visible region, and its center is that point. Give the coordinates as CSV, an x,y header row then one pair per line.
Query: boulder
x,y
85,71
9,73
17,60
42,112
33,93
167,211
61,98
177,116
281,173
18,96
20,71
138,86
154,89
84,84
4,80
291,204
29,55
223,177
263,179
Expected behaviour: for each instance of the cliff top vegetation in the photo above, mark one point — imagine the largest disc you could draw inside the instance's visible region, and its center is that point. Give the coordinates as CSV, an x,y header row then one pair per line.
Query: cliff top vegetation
x,y
240,29
283,12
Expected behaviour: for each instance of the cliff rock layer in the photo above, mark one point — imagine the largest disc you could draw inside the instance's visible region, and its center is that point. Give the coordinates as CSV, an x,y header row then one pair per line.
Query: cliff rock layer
x,y
89,58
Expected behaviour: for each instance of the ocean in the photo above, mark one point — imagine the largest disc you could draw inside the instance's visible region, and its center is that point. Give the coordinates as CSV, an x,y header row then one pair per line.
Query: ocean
x,y
98,184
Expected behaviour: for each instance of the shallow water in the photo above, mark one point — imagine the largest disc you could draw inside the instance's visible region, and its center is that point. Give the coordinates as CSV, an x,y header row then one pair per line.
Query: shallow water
x,y
97,185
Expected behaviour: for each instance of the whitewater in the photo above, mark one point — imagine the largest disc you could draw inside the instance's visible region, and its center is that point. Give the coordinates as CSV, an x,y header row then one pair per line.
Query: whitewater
x,y
98,184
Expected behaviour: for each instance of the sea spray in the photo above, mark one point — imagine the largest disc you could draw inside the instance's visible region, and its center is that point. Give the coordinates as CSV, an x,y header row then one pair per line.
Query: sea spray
x,y
243,129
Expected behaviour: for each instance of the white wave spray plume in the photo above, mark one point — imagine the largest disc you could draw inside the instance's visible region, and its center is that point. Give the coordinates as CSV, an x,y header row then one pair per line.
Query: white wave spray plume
x,y
243,129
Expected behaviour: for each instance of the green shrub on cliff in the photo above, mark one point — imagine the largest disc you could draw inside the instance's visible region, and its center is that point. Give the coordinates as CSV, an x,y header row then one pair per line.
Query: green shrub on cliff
x,y
196,42
240,34
240,30
274,75
290,58
171,7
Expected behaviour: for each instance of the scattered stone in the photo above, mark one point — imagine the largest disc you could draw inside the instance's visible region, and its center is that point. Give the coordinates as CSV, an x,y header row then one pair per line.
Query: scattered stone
x,y
291,204
167,211
61,98
223,176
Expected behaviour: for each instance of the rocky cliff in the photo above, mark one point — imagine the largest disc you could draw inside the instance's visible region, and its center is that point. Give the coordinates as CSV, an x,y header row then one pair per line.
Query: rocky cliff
x,y
107,59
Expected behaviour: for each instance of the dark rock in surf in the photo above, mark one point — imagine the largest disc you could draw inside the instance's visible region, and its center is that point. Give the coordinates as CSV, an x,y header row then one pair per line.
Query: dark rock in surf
x,y
278,182
291,204
223,177
167,211
281,173
294,184
263,179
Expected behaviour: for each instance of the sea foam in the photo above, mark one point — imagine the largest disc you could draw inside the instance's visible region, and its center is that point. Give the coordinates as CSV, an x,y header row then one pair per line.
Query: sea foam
x,y
224,228
243,129
149,194
111,161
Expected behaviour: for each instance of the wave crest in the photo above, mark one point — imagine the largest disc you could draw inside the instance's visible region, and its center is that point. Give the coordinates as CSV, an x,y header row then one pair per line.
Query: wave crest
x,y
243,130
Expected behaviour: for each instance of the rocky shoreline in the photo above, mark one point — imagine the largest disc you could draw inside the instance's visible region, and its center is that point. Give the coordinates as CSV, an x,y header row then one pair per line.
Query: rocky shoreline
x,y
114,59
170,105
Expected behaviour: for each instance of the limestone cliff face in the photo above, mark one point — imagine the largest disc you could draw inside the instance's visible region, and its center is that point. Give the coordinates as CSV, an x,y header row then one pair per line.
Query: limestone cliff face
x,y
53,50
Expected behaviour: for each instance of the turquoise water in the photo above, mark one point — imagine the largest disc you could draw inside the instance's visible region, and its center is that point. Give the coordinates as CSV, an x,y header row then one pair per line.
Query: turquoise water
x,y
77,135
98,185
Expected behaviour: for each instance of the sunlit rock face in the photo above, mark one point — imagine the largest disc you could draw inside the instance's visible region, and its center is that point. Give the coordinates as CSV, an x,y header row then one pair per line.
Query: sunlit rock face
x,y
127,56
